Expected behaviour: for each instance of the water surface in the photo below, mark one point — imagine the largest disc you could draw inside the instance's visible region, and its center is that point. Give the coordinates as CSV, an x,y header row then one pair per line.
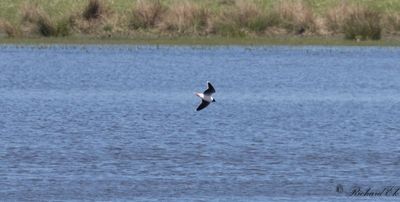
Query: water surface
x,y
119,123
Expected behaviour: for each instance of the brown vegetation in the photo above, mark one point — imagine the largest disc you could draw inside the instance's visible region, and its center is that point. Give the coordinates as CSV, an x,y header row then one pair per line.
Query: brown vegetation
x,y
296,16
146,14
8,28
94,10
362,22
188,17
36,21
95,18
334,17
392,23
355,22
242,18
184,17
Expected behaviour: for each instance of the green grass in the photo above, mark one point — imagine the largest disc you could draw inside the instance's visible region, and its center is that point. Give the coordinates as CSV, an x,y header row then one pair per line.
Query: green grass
x,y
321,6
237,28
251,41
9,8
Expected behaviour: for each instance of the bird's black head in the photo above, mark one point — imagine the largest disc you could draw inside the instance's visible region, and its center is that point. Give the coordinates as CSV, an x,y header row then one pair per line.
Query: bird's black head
x,y
213,100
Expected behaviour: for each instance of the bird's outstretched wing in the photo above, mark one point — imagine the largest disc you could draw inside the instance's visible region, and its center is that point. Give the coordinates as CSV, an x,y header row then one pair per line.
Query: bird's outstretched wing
x,y
210,90
202,105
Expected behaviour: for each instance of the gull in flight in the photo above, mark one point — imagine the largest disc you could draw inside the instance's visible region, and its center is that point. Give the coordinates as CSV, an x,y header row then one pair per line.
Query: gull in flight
x,y
206,98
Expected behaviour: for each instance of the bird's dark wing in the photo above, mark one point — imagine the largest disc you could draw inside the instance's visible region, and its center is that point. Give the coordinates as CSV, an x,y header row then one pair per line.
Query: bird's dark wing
x,y
210,90
202,105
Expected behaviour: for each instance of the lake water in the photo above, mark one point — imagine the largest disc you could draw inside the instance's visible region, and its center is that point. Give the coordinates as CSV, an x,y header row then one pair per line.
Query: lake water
x,y
119,123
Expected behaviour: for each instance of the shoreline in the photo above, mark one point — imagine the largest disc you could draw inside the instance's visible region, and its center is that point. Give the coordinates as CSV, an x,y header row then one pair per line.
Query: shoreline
x,y
209,41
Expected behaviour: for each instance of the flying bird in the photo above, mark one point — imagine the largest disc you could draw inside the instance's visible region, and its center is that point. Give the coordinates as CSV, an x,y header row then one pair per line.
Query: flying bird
x,y
206,98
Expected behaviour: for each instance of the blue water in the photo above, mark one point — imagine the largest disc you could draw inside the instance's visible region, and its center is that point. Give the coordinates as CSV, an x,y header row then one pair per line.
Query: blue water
x,y
119,123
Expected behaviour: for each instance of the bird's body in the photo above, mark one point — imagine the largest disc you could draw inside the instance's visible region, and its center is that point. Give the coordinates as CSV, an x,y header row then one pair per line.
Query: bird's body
x,y
206,97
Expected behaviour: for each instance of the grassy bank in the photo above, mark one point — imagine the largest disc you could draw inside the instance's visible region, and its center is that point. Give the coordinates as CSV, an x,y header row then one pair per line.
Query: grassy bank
x,y
201,21
214,40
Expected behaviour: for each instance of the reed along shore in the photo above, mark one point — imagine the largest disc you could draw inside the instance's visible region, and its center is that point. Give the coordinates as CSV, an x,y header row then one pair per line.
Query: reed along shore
x,y
207,21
